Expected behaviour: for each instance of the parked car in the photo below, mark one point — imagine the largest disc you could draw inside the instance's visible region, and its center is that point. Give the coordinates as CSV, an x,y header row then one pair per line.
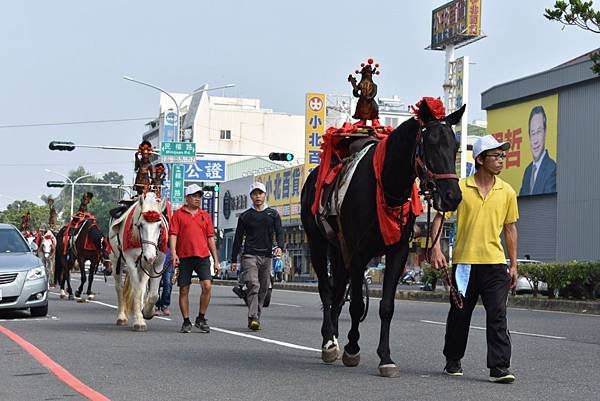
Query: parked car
x,y
525,285
23,279
225,272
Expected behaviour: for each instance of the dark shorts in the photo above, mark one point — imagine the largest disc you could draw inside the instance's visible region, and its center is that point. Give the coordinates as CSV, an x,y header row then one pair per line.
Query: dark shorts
x,y
193,264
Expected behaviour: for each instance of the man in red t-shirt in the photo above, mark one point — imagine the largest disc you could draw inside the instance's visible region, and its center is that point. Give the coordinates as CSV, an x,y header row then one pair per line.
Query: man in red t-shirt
x,y
191,239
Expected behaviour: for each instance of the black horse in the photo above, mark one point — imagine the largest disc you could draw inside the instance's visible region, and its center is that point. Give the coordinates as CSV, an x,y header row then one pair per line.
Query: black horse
x,y
425,147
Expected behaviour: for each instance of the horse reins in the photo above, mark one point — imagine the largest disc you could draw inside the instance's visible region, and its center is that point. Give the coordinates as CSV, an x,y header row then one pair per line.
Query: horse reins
x,y
427,188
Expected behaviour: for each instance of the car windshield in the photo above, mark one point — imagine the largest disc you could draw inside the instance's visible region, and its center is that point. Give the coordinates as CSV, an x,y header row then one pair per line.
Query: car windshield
x,y
11,241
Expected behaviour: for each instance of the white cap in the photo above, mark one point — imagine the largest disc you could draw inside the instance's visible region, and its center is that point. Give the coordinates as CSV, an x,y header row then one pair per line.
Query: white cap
x,y
488,142
192,189
258,185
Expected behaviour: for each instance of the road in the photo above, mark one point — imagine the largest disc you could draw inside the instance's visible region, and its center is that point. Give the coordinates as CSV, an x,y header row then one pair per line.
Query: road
x,y
555,355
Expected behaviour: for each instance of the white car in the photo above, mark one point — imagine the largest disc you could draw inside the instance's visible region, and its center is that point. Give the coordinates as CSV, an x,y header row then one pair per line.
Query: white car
x,y
225,272
525,285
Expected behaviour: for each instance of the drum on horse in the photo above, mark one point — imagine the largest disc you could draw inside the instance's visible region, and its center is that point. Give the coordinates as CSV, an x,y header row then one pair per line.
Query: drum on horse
x,y
47,252
87,243
139,242
383,181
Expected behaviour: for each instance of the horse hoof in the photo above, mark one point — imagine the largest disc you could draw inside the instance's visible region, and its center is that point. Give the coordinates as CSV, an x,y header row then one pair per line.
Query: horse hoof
x,y
389,370
121,322
91,296
329,355
78,294
351,360
139,327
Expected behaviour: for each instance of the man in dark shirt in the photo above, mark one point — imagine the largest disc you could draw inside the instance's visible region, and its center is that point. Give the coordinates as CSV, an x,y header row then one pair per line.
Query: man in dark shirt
x,y
255,230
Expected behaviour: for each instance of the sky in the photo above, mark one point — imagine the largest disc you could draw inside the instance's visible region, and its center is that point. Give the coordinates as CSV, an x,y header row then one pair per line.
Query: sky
x,y
63,61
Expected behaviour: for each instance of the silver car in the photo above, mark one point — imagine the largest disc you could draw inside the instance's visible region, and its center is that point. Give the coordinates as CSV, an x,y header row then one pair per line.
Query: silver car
x,y
23,280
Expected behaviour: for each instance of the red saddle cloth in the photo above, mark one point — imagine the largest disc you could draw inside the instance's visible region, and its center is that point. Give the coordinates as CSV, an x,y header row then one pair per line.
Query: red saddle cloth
x,y
76,221
391,219
331,150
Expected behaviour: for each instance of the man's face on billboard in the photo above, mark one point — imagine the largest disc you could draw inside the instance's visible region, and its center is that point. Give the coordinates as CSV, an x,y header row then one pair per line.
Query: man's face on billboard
x,y
537,136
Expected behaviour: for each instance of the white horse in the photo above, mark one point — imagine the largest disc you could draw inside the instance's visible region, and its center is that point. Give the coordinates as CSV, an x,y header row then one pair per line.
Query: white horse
x,y
46,252
138,239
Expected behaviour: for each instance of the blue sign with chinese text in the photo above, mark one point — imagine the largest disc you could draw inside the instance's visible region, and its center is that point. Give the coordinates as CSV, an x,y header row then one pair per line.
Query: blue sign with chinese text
x,y
206,170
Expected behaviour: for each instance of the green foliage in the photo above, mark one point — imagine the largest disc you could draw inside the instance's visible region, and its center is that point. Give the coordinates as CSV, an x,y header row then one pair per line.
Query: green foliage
x,y
581,14
14,212
572,279
430,275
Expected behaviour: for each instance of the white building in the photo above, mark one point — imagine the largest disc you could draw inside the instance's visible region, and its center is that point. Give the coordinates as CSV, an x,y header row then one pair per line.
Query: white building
x,y
232,125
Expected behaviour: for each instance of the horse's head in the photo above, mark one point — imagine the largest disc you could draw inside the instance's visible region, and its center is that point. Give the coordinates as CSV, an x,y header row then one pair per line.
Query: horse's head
x,y
435,155
149,224
48,243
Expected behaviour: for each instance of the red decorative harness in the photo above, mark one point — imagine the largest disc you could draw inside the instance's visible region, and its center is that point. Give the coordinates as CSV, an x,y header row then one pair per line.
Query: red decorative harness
x,y
131,238
392,219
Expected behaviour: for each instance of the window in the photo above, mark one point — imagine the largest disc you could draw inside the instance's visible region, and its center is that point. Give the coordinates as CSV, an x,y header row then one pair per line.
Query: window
x,y
225,134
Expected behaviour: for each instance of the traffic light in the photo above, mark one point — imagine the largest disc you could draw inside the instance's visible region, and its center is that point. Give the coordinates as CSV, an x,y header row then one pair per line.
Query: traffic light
x,y
59,145
211,188
286,157
55,184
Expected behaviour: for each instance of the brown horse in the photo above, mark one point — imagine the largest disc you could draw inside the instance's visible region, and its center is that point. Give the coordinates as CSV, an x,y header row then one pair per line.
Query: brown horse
x,y
89,245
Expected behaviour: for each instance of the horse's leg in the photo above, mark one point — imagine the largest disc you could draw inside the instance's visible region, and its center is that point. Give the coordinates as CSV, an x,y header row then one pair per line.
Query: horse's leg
x,y
121,312
138,282
93,267
68,280
318,256
51,269
151,297
81,263
153,285
340,280
395,261
351,355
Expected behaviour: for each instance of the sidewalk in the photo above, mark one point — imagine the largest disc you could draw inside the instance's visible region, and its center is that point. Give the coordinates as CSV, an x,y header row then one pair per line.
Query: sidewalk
x,y
440,295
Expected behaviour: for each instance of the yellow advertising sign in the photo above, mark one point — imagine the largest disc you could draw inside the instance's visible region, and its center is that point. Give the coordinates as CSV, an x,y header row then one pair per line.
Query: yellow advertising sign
x,y
315,129
283,191
455,22
531,128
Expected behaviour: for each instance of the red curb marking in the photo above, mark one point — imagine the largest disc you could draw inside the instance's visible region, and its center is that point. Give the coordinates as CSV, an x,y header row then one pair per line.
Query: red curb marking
x,y
61,373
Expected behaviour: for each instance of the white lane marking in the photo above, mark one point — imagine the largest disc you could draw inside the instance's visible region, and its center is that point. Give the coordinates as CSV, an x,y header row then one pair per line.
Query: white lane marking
x,y
266,340
511,331
31,319
113,306
235,333
280,304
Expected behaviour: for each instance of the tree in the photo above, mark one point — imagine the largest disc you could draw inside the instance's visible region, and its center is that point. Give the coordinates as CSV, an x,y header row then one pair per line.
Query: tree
x,y
581,14
14,212
105,198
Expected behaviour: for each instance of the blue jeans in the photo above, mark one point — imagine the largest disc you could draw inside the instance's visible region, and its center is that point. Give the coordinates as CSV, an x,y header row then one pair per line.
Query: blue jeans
x,y
164,299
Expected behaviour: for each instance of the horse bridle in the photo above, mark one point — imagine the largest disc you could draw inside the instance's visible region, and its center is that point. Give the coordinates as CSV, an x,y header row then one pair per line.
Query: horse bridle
x,y
427,187
143,241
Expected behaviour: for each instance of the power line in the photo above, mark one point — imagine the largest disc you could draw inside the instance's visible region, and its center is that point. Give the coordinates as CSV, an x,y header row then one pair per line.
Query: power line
x,y
61,164
77,122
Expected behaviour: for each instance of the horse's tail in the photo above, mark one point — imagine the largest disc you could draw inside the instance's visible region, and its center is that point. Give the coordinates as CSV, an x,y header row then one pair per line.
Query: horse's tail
x,y
128,295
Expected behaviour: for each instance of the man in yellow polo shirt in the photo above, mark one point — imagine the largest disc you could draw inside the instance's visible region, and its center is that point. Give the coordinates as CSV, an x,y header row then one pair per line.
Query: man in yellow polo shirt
x,y
488,207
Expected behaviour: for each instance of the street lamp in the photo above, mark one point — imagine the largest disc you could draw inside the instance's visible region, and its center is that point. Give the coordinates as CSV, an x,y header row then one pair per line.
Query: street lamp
x,y
177,105
72,183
